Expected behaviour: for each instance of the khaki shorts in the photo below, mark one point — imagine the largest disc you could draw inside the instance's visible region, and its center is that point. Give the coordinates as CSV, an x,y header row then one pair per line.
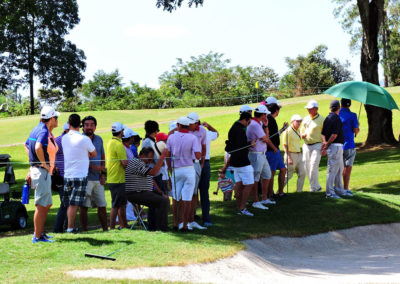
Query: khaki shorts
x,y
41,181
95,196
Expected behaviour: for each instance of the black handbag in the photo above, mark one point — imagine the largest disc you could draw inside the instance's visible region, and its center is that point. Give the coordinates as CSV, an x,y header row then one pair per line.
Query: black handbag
x,y
57,181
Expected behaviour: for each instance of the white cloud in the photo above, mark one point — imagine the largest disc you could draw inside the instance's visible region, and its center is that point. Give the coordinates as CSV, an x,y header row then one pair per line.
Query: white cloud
x,y
155,31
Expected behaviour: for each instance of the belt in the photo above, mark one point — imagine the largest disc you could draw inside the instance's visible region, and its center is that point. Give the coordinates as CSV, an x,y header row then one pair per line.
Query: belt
x,y
254,152
196,161
313,143
295,152
337,144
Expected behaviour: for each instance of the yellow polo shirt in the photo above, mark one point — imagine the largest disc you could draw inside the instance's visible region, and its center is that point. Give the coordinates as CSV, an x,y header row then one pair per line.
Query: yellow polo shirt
x,y
313,129
294,139
114,154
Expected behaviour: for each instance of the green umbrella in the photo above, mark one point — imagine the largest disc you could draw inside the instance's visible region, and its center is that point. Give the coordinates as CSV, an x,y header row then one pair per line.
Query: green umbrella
x,y
364,92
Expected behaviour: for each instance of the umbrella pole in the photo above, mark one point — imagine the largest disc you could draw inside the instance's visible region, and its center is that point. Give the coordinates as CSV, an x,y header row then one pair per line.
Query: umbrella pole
x,y
358,118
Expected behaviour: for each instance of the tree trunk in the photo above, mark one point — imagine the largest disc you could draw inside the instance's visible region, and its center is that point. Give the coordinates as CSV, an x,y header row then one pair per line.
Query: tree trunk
x,y
385,43
380,128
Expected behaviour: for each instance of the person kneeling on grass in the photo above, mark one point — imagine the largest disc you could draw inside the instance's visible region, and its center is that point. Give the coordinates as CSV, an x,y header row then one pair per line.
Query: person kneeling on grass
x,y
139,186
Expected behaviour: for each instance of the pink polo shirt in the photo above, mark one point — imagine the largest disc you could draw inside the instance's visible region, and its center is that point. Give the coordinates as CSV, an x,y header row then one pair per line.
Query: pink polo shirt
x,y
182,146
255,131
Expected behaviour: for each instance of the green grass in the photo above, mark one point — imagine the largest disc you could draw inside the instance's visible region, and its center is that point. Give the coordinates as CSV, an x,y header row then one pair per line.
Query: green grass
x,y
375,178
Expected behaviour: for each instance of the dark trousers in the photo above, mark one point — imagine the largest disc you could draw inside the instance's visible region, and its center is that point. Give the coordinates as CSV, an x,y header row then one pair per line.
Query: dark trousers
x,y
152,200
61,218
204,186
152,212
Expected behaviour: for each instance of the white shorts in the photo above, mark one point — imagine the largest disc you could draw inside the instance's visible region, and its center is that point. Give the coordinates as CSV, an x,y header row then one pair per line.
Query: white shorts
x,y
95,196
183,182
244,174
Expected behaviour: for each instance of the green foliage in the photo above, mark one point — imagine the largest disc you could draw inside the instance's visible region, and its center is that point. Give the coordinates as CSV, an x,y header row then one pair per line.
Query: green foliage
x,y
32,44
313,73
170,5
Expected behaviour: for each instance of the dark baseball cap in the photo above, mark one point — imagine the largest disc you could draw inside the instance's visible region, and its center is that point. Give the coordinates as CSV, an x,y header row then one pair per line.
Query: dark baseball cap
x,y
345,102
334,105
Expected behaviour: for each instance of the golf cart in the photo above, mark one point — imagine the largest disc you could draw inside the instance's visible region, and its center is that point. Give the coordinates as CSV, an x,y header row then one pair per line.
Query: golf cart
x,y
12,212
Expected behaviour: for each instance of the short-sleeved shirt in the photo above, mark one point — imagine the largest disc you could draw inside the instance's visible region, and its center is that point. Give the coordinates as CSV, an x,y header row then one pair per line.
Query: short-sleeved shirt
x,y
273,129
254,132
39,134
114,154
76,148
350,122
313,128
293,139
183,146
60,155
211,136
201,135
333,125
134,151
237,140
136,176
129,154
98,144
149,142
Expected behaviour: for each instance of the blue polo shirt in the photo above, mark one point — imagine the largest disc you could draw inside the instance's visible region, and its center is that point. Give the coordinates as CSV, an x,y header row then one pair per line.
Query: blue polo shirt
x,y
39,134
350,121
134,151
98,144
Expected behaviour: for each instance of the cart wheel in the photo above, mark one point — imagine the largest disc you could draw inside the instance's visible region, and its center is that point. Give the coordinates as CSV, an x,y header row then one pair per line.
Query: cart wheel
x,y
21,221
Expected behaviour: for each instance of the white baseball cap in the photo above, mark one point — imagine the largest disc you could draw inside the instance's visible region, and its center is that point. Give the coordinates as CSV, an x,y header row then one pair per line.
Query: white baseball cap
x,y
128,133
184,121
245,108
272,100
262,109
66,126
194,117
48,112
117,127
296,117
311,104
172,125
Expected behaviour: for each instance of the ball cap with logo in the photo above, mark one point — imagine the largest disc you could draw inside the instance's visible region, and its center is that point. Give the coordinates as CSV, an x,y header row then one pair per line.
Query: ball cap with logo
x,y
311,104
194,117
262,109
48,112
117,127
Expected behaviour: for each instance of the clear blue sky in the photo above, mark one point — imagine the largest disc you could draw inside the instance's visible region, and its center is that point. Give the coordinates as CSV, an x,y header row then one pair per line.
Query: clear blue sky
x,y
143,41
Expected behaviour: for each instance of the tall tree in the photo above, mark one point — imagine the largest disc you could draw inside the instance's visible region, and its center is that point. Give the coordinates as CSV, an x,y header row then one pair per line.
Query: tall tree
x,y
380,128
32,41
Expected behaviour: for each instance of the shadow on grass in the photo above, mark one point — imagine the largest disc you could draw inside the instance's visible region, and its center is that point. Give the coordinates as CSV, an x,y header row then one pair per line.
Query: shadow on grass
x,y
385,188
92,241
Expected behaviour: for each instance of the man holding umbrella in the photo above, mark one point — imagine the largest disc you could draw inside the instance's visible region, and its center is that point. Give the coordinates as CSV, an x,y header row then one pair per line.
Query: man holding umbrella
x,y
350,128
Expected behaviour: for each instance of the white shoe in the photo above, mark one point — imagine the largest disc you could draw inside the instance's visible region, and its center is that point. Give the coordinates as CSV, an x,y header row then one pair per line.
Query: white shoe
x,y
268,201
245,212
188,226
195,225
258,205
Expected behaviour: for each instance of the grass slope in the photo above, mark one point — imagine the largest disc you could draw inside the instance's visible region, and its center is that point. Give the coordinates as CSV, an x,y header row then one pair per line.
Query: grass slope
x,y
375,178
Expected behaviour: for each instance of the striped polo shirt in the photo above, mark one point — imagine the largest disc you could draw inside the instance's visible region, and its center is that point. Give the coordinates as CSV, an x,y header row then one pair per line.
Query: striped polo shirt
x,y
136,176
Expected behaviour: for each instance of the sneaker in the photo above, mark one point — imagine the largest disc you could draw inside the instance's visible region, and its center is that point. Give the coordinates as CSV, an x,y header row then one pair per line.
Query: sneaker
x,y
333,195
196,225
207,224
258,205
46,236
188,227
73,231
316,190
267,201
244,212
349,192
41,239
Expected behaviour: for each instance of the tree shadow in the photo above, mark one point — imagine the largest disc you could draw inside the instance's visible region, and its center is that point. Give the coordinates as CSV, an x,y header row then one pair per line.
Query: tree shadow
x,y
392,187
92,241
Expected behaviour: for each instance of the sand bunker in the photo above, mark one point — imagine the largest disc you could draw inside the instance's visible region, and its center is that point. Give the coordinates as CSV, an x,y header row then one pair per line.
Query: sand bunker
x,y
368,254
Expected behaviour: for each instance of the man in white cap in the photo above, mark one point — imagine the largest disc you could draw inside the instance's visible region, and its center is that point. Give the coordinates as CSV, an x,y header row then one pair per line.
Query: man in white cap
x,y
127,141
95,195
182,147
310,131
116,162
258,160
272,100
291,139
61,218
201,134
36,147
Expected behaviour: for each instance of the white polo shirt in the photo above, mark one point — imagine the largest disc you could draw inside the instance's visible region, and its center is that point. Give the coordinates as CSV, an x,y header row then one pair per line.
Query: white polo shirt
x,y
76,149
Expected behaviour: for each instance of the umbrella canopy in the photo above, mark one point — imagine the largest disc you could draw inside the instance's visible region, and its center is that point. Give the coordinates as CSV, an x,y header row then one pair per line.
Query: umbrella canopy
x,y
364,92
